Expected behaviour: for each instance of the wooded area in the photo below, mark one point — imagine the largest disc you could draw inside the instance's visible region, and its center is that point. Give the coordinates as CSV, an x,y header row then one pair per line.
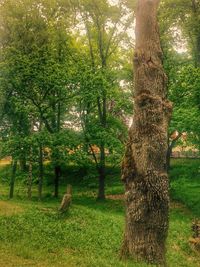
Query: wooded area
x,y
91,90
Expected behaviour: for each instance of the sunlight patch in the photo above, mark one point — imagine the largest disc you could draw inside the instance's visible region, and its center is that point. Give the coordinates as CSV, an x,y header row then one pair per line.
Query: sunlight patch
x,y
7,209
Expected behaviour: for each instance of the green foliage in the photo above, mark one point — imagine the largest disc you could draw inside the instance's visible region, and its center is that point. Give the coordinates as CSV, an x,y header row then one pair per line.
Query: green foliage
x,y
184,92
54,77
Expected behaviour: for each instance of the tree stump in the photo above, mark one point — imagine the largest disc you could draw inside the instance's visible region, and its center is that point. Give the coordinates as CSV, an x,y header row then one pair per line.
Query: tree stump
x,y
66,201
195,240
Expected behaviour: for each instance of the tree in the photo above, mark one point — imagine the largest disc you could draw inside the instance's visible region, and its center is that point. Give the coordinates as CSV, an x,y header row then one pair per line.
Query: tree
x,y
185,17
144,165
185,94
180,29
12,180
15,127
35,46
105,26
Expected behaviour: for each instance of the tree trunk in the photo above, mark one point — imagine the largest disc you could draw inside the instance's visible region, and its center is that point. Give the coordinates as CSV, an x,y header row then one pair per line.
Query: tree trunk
x,y
144,165
22,163
41,172
102,174
169,150
57,178
198,50
30,175
169,153
196,42
102,165
12,180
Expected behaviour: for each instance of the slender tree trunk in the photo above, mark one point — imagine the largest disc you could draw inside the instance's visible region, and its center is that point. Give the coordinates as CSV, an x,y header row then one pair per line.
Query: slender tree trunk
x,y
102,165
22,163
12,180
41,172
198,50
169,150
102,174
169,153
30,175
168,160
196,43
144,165
57,179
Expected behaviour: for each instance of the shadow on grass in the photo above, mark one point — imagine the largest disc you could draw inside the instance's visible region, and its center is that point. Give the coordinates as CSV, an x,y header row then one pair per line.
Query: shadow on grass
x,y
107,205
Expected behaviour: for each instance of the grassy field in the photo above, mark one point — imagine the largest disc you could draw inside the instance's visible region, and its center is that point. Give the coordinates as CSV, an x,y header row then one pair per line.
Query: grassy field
x,y
35,234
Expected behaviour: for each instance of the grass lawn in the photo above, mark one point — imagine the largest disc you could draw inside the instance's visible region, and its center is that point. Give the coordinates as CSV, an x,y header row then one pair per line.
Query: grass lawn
x,y
35,234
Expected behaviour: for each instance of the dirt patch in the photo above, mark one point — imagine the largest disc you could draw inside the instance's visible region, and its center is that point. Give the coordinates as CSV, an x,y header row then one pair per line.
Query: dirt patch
x,y
115,197
181,207
9,208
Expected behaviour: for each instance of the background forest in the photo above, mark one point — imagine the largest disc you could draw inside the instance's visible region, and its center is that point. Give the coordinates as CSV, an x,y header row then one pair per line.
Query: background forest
x,y
66,103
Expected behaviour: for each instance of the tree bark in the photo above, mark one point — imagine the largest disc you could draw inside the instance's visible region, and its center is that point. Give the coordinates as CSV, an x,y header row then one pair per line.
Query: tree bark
x,y
144,166
12,180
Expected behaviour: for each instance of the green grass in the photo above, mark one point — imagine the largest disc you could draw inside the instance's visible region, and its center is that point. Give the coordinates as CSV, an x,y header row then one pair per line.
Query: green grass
x,y
185,183
35,234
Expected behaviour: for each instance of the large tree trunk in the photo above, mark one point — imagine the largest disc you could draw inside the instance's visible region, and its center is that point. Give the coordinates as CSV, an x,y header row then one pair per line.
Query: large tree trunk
x,y
144,165
12,180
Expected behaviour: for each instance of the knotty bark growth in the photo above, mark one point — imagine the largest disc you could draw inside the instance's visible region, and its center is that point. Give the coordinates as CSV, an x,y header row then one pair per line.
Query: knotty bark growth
x,y
144,165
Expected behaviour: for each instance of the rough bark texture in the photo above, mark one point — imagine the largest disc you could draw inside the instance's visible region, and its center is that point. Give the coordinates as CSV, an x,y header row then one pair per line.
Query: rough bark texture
x,y
144,165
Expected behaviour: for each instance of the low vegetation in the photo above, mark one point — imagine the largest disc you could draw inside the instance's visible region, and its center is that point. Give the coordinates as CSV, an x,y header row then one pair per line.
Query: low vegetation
x,y
33,233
